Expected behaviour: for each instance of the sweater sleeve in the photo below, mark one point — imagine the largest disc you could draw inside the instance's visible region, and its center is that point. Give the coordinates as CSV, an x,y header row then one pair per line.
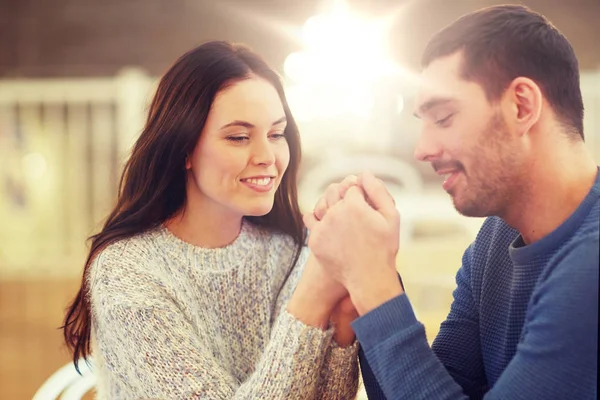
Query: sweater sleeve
x,y
372,387
556,359
154,348
338,376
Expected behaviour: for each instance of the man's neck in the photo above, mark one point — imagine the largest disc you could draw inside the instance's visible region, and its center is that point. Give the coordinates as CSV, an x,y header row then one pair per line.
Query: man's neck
x,y
556,185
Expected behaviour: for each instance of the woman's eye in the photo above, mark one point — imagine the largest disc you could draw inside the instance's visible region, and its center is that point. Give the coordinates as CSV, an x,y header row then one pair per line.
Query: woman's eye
x,y
237,139
277,136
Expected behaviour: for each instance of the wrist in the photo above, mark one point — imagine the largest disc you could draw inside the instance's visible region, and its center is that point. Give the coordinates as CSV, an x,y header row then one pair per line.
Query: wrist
x,y
323,288
344,336
341,320
374,288
307,306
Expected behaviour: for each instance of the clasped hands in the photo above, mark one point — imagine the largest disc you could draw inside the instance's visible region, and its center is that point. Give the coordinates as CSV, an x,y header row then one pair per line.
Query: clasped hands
x,y
354,240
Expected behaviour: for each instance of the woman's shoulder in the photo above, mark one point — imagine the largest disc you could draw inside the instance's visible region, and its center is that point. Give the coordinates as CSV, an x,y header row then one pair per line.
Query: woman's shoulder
x,y
126,269
127,258
129,250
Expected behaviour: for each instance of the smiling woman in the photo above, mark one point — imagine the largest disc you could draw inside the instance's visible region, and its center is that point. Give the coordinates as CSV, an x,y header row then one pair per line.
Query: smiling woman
x,y
238,162
199,285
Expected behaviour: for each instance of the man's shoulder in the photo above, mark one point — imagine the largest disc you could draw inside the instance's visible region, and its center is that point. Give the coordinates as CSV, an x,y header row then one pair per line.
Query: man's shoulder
x,y
591,222
582,250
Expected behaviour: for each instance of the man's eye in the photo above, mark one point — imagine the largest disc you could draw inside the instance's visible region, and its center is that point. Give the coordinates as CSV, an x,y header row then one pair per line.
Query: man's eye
x,y
444,121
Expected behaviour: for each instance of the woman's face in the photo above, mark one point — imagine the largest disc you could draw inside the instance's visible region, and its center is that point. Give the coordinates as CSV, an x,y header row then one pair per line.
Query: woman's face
x,y
242,154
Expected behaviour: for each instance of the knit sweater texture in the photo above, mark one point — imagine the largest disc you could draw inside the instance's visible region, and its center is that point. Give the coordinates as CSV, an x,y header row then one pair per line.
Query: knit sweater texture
x,y
523,323
175,321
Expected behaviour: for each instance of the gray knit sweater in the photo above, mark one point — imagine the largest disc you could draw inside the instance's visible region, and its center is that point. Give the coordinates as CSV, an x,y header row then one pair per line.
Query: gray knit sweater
x,y
175,321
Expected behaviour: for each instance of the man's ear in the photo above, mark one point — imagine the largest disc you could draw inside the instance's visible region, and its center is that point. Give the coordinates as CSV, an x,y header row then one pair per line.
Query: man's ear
x,y
525,99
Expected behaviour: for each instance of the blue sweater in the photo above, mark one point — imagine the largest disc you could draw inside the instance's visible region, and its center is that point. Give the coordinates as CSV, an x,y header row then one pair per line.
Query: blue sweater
x,y
523,323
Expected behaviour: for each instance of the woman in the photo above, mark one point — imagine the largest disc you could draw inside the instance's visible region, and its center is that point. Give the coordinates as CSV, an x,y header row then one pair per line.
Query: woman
x,y
198,285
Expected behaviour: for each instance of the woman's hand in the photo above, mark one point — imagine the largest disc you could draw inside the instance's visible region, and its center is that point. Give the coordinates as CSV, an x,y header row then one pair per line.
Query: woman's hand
x,y
316,295
341,317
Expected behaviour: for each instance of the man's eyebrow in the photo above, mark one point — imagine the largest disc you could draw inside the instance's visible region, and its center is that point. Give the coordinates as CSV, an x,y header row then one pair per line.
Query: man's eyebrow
x,y
429,104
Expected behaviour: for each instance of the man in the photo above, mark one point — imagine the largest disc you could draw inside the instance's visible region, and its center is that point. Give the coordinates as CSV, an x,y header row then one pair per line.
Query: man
x,y
503,121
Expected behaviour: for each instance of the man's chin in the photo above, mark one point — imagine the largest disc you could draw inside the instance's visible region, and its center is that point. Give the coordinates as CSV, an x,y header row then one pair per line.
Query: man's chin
x,y
470,209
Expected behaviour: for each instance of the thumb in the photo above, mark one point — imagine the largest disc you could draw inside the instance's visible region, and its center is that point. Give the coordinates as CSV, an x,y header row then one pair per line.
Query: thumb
x,y
355,193
347,183
378,196
309,220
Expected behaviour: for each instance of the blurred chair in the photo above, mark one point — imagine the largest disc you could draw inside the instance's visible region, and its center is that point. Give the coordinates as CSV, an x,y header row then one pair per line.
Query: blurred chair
x,y
68,382
420,207
391,169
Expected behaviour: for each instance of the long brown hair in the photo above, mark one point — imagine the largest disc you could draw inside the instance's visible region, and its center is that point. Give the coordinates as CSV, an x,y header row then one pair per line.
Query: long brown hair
x,y
152,187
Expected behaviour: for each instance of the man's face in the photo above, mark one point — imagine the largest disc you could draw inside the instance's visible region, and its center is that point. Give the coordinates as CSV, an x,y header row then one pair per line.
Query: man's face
x,y
466,140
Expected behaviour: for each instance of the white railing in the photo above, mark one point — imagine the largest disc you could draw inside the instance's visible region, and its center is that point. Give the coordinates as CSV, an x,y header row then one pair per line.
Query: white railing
x,y
62,145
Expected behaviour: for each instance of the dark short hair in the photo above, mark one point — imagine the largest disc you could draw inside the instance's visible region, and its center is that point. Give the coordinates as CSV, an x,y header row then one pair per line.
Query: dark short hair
x,y
501,43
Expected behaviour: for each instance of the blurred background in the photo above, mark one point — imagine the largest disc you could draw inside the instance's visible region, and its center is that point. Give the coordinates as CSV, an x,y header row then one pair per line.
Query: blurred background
x,y
76,78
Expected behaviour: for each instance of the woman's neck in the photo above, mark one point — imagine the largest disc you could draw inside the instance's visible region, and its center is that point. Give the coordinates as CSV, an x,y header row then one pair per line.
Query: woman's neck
x,y
204,230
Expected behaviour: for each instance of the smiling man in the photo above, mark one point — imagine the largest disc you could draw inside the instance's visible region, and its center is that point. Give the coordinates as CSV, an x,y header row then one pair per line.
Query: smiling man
x,y
502,120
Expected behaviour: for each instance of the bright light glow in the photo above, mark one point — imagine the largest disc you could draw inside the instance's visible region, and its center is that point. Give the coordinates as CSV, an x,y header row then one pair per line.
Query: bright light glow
x,y
318,102
344,55
343,35
298,98
340,46
400,104
295,66
35,165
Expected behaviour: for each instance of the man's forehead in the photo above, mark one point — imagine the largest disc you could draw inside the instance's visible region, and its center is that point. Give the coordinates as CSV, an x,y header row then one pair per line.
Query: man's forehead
x,y
429,90
440,79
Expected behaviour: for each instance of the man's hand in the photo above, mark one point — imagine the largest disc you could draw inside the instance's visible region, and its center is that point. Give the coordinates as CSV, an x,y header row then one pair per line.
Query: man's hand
x,y
356,240
333,194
